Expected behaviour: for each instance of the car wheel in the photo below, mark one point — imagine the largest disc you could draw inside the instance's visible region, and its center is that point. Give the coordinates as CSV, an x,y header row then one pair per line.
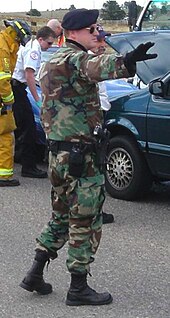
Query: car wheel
x,y
127,174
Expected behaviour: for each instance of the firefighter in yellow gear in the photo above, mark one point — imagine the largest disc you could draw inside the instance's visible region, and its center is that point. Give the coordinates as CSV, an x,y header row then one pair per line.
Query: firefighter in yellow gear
x,y
16,32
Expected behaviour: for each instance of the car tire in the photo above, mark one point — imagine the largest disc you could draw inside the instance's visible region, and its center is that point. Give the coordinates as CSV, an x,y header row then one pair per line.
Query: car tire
x,y
127,174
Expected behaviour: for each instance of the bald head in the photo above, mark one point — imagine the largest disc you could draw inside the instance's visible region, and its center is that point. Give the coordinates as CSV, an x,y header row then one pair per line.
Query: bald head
x,y
55,25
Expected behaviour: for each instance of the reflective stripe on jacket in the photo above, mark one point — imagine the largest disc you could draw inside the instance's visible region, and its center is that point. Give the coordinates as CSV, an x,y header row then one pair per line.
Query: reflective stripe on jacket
x,y
6,172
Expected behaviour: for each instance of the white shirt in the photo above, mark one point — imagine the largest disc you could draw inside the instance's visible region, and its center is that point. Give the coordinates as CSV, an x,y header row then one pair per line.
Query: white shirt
x,y
28,57
104,100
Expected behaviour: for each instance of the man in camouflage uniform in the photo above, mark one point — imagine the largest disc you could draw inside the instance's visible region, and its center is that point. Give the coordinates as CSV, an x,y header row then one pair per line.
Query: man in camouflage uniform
x,y
71,114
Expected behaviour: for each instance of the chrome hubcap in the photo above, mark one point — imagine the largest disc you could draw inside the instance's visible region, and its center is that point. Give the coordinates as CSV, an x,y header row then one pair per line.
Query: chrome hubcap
x,y
120,169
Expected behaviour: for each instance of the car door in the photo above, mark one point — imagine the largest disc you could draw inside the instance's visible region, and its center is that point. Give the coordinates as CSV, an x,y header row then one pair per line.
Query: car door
x,y
158,135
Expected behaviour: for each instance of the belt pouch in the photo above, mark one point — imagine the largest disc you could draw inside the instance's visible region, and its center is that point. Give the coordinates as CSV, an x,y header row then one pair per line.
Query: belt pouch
x,y
76,162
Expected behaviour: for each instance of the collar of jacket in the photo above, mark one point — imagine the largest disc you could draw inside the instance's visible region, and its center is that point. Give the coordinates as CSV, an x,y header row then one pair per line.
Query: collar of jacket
x,y
76,44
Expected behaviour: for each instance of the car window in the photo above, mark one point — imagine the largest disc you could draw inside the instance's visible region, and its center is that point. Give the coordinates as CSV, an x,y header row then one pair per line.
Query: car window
x,y
155,16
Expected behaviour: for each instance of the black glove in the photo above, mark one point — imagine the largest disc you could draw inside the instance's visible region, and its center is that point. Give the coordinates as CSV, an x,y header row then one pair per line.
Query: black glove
x,y
138,54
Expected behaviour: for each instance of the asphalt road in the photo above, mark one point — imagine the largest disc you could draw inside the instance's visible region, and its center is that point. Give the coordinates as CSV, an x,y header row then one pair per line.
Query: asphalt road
x,y
132,261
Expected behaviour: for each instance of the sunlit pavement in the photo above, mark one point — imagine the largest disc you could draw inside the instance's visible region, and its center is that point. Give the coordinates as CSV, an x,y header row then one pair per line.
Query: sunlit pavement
x,y
132,261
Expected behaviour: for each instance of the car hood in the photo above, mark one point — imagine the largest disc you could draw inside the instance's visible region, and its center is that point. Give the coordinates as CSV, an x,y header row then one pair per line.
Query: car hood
x,y
150,69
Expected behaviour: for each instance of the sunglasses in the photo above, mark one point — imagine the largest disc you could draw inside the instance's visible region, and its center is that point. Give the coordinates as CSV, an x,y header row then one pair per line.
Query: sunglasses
x,y
92,29
49,42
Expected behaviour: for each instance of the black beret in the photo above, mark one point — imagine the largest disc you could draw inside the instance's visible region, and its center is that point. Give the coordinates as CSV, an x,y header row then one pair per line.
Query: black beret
x,y
79,18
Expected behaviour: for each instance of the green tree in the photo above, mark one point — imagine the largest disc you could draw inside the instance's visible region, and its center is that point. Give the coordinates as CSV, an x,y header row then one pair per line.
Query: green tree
x,y
164,9
34,12
112,11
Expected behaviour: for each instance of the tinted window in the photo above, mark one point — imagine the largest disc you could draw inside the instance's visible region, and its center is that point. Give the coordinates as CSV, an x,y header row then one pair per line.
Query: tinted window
x,y
156,16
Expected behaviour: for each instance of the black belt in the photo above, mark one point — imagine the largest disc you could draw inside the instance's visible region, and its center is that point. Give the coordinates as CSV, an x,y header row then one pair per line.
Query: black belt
x,y
15,82
55,146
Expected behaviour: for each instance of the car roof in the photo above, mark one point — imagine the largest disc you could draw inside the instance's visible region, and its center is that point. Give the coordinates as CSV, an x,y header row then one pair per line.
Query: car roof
x,y
150,69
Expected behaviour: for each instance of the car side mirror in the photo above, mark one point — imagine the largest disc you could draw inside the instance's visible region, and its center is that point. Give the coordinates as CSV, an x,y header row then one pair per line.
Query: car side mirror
x,y
161,87
156,88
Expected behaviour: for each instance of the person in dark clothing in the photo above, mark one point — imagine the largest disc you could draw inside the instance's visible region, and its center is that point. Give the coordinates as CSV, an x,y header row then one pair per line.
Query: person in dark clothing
x,y
26,151
132,15
27,66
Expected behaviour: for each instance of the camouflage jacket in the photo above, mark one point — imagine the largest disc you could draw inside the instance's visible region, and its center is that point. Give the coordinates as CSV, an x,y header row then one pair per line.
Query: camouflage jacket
x,y
71,106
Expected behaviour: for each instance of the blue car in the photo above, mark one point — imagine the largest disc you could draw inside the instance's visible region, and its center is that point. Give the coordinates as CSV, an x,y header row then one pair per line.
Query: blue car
x,y
139,122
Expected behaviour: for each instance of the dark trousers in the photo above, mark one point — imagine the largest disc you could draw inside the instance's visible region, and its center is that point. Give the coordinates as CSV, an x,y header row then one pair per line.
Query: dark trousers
x,y
26,127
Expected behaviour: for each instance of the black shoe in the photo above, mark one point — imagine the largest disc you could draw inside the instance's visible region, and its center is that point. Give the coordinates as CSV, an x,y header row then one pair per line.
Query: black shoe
x,y
107,218
9,183
34,278
33,173
36,283
81,294
88,296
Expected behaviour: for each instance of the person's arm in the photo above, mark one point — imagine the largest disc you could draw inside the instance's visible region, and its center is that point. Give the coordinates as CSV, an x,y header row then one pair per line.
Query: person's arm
x,y
29,76
96,68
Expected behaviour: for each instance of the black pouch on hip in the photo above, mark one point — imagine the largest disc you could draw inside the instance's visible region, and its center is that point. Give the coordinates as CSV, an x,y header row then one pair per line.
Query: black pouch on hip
x,y
76,161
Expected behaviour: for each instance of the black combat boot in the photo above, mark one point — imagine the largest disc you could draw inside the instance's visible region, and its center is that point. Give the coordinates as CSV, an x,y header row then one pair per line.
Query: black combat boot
x,y
81,294
107,218
34,278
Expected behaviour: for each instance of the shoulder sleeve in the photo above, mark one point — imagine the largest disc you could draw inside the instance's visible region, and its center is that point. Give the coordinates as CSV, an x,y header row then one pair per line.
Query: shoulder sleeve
x,y
31,59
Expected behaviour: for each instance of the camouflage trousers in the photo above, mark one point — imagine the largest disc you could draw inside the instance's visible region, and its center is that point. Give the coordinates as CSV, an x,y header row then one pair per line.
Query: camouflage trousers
x,y
76,215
